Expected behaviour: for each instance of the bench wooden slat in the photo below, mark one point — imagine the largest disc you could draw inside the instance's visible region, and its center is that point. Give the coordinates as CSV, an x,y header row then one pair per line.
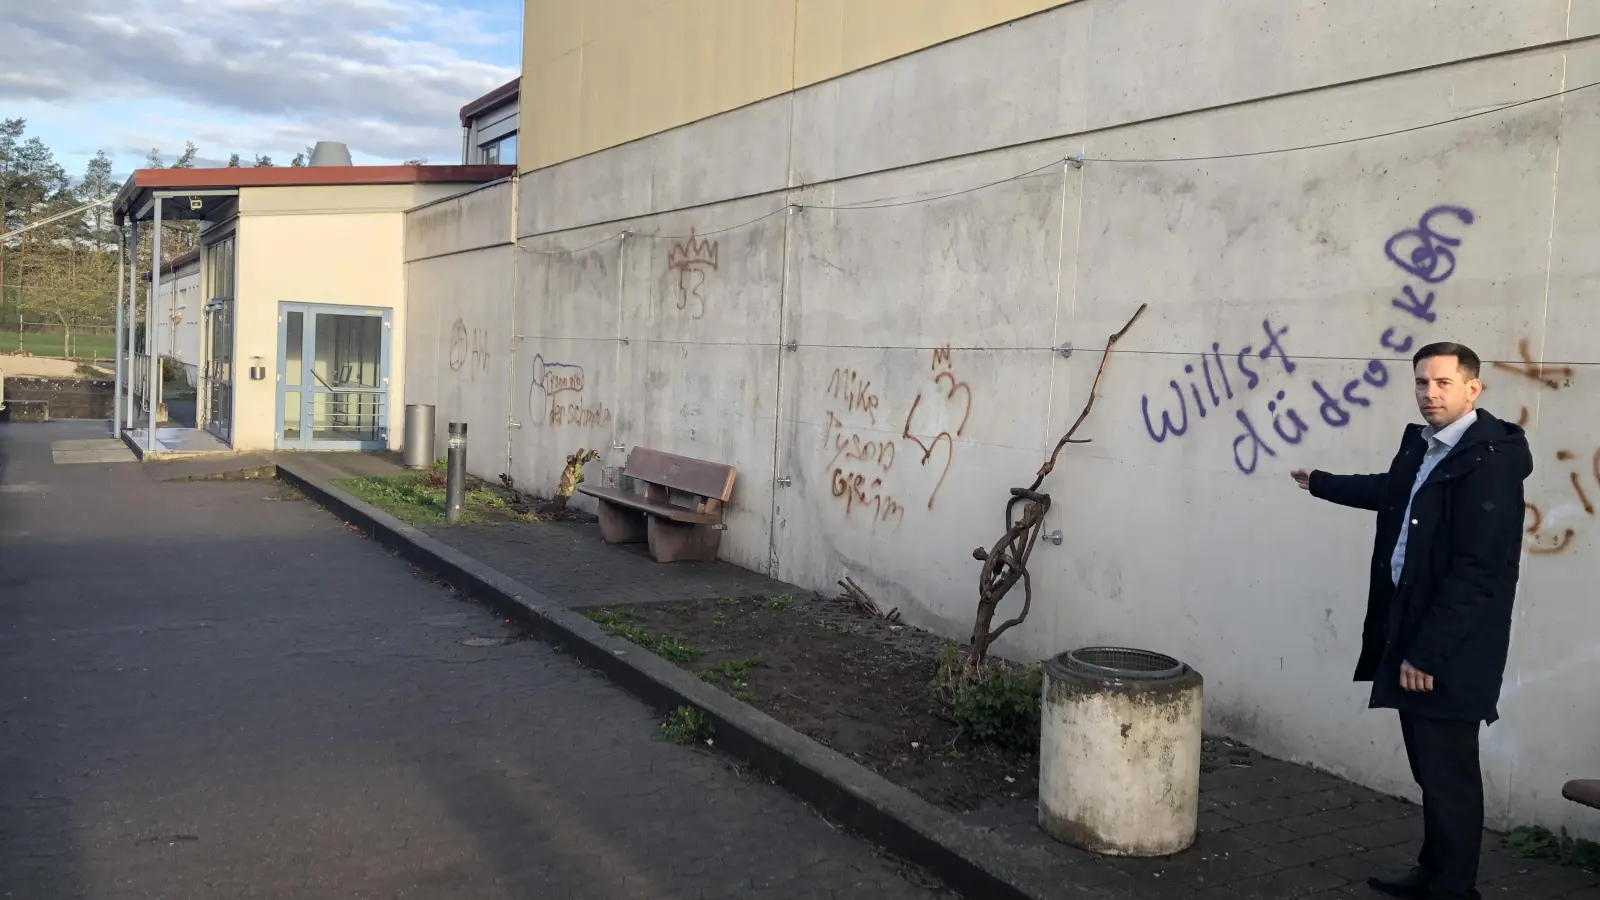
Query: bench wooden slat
x,y
638,501
1583,790
681,473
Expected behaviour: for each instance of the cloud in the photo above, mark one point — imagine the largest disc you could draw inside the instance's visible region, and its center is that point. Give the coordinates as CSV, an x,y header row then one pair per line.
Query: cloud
x,y
385,76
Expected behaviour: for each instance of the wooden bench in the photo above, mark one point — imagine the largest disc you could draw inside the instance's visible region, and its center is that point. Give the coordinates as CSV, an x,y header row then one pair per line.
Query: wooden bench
x,y
1583,790
27,410
678,511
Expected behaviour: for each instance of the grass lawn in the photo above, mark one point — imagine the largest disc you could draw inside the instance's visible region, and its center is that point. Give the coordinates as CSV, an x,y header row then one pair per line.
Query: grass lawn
x,y
418,499
88,345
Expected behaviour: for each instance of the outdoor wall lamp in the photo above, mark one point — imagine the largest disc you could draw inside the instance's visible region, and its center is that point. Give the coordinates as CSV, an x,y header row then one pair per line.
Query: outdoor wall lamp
x,y
195,203
258,372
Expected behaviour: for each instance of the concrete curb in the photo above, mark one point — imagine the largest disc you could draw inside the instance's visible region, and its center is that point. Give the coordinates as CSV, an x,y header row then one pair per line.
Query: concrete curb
x,y
969,860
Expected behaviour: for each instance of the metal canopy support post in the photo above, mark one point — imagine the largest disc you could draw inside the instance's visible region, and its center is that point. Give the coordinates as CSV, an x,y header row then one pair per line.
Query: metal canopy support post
x,y
150,324
122,291
126,401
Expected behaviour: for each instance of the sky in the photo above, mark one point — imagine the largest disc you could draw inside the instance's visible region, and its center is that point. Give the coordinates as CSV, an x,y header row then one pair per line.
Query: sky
x,y
387,77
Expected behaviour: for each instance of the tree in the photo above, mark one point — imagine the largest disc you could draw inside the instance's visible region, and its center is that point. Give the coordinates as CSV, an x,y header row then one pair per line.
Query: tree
x,y
263,162
32,187
98,184
300,161
186,159
11,131
233,160
420,161
152,160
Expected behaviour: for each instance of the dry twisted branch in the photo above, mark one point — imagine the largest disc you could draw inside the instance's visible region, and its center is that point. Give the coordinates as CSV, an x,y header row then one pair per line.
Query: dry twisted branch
x,y
1007,562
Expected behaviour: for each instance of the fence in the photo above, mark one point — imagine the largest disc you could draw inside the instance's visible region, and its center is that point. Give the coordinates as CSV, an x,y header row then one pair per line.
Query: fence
x,y
140,375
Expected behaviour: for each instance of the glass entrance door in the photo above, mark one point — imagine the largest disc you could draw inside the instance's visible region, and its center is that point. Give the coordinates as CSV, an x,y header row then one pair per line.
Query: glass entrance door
x,y
333,377
217,372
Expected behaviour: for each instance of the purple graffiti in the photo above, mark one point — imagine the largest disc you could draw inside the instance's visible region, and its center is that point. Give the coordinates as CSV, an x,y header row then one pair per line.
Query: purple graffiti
x,y
1214,373
1421,251
1422,309
1400,349
1257,445
1424,252
1168,427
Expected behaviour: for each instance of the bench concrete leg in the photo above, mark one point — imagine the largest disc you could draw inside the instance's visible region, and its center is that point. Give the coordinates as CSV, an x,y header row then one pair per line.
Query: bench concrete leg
x,y
621,525
673,541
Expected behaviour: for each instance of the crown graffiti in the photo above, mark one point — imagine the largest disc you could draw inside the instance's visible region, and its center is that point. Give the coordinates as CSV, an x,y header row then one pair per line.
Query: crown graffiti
x,y
692,254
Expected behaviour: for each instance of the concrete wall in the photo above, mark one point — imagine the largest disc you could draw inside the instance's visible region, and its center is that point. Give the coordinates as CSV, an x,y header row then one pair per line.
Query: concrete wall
x,y
460,264
895,361
341,245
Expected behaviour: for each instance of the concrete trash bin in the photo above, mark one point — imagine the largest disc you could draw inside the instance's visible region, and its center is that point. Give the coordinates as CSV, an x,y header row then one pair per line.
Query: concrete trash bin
x,y
1119,753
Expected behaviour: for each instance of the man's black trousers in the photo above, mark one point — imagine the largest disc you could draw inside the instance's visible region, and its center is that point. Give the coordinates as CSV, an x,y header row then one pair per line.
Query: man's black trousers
x,y
1444,761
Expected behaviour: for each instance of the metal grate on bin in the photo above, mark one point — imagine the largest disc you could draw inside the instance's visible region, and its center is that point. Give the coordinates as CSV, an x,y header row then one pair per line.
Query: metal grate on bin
x,y
1125,664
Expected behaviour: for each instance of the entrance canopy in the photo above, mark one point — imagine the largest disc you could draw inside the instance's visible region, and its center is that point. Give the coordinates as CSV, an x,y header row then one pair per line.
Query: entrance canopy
x,y
207,194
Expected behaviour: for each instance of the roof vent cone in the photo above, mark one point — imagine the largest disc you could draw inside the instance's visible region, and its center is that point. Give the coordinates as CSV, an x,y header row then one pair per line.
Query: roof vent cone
x,y
330,153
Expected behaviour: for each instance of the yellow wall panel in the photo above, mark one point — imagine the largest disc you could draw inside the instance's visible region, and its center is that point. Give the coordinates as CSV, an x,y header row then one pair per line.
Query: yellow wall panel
x,y
597,73
839,36
549,127
552,29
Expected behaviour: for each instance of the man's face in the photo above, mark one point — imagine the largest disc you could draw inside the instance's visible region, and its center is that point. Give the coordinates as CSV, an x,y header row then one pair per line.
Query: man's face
x,y
1444,392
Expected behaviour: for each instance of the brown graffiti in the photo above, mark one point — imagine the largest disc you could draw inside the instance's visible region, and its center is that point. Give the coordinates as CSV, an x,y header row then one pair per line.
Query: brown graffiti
x,y
945,379
855,391
691,260
852,488
941,357
580,416
553,378
554,382
458,345
928,448
1537,543
854,448
1522,418
468,345
1553,377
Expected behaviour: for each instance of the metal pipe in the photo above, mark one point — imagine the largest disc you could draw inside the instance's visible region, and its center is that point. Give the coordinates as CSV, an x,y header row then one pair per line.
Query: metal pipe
x,y
122,291
150,325
455,483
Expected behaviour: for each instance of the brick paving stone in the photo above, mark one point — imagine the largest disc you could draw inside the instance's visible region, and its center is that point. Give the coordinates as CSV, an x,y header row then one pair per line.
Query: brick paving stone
x,y
1287,883
208,693
568,561
1305,851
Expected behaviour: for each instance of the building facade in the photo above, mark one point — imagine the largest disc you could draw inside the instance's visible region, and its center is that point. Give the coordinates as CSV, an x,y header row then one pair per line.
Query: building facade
x,y
870,252
489,127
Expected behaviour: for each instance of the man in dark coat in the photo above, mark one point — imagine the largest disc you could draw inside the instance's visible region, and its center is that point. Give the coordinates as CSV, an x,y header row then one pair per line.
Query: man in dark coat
x,y
1444,572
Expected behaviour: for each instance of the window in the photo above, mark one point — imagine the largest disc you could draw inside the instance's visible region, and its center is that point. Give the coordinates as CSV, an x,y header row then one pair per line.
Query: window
x,y
220,269
500,152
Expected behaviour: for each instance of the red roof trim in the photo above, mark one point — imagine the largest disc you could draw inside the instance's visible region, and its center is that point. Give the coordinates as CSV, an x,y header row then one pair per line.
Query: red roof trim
x,y
144,180
494,98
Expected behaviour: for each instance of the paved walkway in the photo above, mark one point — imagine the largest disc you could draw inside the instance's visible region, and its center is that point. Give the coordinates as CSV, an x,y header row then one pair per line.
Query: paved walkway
x,y
208,691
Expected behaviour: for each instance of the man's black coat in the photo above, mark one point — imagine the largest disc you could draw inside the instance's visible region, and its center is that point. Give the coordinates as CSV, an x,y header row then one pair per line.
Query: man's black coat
x,y
1450,616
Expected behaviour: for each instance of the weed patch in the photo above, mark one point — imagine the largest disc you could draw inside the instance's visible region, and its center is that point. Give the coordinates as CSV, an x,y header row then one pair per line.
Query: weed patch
x,y
686,725
419,499
1538,842
999,704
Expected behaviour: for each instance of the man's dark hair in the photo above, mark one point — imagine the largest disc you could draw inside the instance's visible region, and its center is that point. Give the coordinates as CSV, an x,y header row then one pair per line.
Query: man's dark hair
x,y
1469,361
